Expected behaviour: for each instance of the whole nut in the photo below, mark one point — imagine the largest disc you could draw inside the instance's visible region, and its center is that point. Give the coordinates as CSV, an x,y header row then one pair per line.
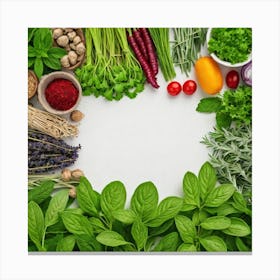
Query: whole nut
x,y
62,41
76,115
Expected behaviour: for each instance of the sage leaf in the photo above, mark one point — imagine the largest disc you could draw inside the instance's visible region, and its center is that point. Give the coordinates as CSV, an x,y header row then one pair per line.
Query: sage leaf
x,y
111,238
66,244
187,247
213,244
36,225
216,223
42,192
139,233
56,206
144,201
168,243
125,216
88,199
191,190
77,224
206,179
113,198
186,228
167,209
219,195
238,227
209,105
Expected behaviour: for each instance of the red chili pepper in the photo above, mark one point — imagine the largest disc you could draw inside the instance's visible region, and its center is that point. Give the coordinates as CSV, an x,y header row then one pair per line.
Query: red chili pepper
x,y
61,94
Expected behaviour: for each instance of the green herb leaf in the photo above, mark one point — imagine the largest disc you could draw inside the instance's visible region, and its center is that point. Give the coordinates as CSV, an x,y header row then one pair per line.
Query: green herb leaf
x,y
87,243
191,189
42,192
213,244
66,244
31,61
56,52
113,198
77,224
31,32
206,179
219,195
31,51
88,199
111,238
139,233
156,231
167,209
38,67
186,228
216,223
52,62
209,105
238,227
223,119
126,216
56,206
36,226
241,246
226,209
97,225
187,247
144,201
168,243
240,203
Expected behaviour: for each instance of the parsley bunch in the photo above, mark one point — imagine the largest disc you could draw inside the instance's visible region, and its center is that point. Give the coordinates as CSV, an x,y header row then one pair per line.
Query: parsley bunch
x,y
233,45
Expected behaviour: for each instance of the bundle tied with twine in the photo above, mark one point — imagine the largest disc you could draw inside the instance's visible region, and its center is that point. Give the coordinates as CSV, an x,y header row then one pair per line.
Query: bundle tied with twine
x,y
50,124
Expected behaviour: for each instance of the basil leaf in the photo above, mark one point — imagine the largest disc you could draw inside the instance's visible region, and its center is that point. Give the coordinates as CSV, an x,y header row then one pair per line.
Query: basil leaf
x,y
168,243
238,227
88,199
125,216
37,39
51,242
97,225
187,207
77,224
38,67
139,233
52,62
206,179
167,209
31,52
111,238
31,32
240,203
87,243
42,192
209,105
226,209
56,52
219,195
186,247
241,246
213,244
113,198
36,226
223,119
144,201
31,61
191,190
66,244
216,223
156,231
56,206
186,228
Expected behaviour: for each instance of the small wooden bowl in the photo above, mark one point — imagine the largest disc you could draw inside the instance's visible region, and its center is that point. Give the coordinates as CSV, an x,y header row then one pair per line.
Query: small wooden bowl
x,y
32,84
44,82
80,33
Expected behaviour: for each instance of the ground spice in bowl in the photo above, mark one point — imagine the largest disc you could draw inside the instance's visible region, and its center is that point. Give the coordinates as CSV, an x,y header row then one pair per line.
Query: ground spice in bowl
x,y
61,94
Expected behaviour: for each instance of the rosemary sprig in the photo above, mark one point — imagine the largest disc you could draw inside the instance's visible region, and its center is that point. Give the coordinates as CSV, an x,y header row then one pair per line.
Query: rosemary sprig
x,y
231,156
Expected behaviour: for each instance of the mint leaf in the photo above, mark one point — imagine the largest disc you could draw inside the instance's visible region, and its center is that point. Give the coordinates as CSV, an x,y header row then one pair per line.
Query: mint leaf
x,y
139,233
238,227
191,189
206,179
219,195
36,226
186,228
113,198
216,223
213,243
56,206
144,201
111,238
223,119
209,105
42,192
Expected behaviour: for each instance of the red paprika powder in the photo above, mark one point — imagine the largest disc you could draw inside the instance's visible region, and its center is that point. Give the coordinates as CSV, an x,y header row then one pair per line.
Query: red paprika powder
x,y
61,94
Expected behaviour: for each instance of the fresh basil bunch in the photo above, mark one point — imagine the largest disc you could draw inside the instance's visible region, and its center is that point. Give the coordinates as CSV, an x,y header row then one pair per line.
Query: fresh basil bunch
x,y
208,217
41,53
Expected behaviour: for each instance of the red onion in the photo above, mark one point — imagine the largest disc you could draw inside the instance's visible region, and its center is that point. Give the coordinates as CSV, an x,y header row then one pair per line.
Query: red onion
x,y
246,74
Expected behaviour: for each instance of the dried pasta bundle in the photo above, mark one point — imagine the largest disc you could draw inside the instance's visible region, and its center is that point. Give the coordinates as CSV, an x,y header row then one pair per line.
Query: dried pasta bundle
x,y
50,124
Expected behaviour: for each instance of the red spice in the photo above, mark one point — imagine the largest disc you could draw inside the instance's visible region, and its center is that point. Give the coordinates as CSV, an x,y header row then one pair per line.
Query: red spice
x,y
61,94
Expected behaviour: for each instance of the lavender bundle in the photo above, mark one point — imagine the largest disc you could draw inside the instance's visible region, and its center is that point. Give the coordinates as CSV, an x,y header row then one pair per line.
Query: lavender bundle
x,y
47,154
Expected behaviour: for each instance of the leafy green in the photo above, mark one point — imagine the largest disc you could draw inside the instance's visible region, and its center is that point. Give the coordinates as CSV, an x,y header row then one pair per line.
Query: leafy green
x,y
233,45
42,192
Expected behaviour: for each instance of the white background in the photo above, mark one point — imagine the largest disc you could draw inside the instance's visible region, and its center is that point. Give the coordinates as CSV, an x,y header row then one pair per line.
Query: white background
x,y
263,17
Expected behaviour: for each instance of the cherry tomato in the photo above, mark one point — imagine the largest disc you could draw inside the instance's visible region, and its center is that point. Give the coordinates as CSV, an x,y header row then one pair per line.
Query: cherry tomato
x,y
174,88
189,87
232,79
